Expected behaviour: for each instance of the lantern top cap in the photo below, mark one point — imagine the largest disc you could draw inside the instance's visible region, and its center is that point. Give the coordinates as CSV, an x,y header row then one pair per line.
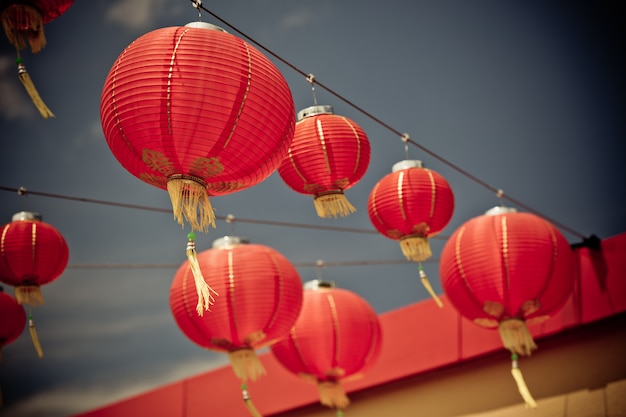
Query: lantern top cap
x,y
204,25
26,215
317,284
407,163
314,111
228,242
500,210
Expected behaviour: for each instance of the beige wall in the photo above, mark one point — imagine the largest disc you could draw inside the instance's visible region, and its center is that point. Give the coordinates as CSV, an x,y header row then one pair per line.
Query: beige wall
x,y
578,373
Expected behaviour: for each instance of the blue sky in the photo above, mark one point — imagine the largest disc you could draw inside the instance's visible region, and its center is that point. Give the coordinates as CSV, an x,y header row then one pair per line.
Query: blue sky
x,y
526,96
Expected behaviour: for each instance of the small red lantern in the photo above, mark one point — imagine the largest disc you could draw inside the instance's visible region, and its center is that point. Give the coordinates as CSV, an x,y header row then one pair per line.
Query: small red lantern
x,y
337,336
23,22
32,253
328,155
13,319
261,297
412,204
505,270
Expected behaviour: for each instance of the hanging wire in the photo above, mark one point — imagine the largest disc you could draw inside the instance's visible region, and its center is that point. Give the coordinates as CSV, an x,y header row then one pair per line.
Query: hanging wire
x,y
24,192
395,131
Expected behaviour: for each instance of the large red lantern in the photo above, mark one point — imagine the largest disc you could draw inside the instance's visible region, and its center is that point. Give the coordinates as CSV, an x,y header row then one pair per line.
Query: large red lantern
x,y
32,253
23,23
260,299
507,270
328,155
199,112
411,205
337,336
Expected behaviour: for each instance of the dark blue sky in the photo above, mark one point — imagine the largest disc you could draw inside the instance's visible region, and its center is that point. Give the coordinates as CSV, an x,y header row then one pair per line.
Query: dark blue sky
x,y
525,96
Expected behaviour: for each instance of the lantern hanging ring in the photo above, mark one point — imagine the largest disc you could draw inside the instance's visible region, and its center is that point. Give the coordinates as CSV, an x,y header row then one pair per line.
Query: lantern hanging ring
x,y
311,79
405,138
22,191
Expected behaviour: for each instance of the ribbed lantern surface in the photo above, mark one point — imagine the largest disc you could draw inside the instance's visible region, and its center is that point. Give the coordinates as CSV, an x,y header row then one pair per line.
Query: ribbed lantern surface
x,y
411,204
199,112
12,319
507,269
32,253
328,155
337,335
260,296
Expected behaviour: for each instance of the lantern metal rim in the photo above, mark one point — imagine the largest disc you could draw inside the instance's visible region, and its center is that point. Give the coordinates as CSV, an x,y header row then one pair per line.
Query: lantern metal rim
x,y
186,177
26,215
205,25
318,284
314,111
406,164
329,192
494,211
229,242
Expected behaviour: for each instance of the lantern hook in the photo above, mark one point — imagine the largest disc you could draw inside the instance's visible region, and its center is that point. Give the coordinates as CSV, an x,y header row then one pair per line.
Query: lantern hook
x,y
320,264
405,138
22,191
197,4
230,219
311,79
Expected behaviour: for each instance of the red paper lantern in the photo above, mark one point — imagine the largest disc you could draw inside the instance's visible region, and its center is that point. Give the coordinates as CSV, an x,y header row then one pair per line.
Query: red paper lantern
x,y
199,112
337,336
13,319
505,270
328,155
23,23
32,253
411,205
260,299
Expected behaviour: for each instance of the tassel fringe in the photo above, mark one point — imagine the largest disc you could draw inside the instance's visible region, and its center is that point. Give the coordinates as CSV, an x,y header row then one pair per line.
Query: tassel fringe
x,y
32,91
333,205
332,394
416,248
190,202
205,292
516,337
521,384
246,364
34,337
29,295
429,287
249,405
21,23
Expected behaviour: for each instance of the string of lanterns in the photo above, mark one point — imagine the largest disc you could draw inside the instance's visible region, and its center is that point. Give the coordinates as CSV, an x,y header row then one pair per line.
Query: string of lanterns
x,y
201,113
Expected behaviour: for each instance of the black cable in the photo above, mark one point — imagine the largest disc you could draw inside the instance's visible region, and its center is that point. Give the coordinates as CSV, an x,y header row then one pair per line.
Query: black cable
x,y
499,192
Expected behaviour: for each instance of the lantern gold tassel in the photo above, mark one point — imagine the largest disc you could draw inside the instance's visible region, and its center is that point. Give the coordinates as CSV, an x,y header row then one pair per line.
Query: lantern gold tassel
x,y
29,295
205,292
516,337
333,204
246,399
416,248
32,91
332,394
521,384
246,364
190,202
34,337
22,22
429,287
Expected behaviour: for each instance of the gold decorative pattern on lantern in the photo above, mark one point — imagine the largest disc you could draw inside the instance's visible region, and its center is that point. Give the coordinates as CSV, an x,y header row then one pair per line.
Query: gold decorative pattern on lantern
x,y
157,161
206,167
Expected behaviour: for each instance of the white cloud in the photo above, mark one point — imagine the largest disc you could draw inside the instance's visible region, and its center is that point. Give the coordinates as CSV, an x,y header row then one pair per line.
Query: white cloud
x,y
140,15
15,101
67,400
297,19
